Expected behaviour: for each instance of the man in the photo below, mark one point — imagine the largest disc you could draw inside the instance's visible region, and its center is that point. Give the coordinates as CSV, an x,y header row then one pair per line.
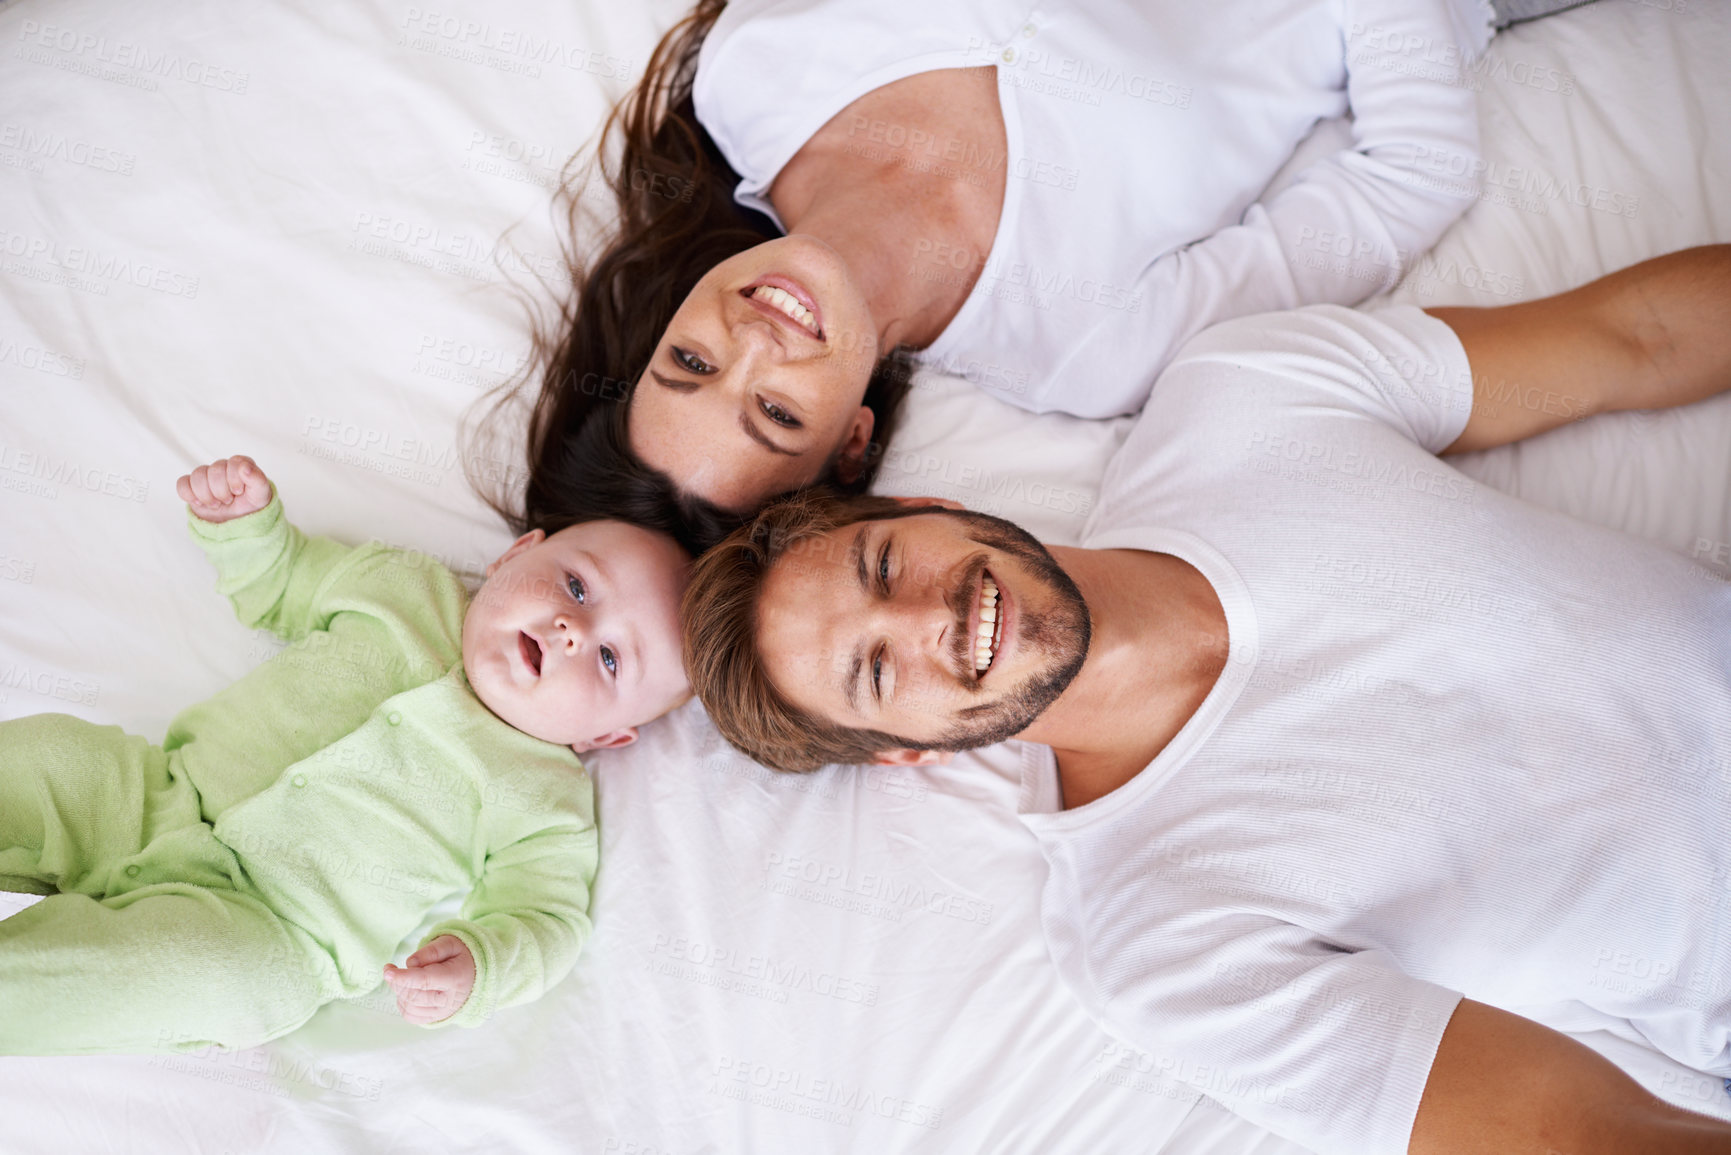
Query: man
x,y
1357,768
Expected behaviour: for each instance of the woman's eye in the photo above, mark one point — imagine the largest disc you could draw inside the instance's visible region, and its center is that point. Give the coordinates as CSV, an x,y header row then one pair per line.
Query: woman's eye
x,y
691,362
578,589
610,660
779,415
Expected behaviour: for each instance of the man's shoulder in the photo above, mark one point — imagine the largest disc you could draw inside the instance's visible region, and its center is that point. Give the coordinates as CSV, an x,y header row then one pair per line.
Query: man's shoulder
x,y
1297,343
1280,384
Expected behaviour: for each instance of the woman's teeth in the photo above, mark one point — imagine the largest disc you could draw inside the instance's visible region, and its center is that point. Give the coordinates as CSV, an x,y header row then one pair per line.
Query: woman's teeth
x,y
985,641
787,303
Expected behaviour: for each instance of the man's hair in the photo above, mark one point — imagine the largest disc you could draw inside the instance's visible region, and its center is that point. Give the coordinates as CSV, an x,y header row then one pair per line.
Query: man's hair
x,y
720,621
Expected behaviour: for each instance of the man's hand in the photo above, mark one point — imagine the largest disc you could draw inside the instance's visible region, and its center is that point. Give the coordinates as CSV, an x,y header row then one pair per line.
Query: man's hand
x,y
225,490
434,982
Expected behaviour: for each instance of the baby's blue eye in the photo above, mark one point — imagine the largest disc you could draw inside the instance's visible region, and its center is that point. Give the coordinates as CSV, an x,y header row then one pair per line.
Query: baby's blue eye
x,y
578,589
610,660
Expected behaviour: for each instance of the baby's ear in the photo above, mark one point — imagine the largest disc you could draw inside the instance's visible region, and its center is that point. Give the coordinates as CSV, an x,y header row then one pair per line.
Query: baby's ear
x,y
610,741
528,541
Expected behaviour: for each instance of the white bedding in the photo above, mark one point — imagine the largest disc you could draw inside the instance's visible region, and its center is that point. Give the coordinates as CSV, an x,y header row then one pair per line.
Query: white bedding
x,y
272,230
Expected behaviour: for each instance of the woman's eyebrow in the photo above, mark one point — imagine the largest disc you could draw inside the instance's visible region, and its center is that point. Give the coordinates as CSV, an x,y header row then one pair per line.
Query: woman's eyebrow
x,y
676,386
745,423
757,435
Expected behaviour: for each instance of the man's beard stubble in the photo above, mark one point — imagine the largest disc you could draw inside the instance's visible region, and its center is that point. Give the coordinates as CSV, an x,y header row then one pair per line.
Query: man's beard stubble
x,y
1062,634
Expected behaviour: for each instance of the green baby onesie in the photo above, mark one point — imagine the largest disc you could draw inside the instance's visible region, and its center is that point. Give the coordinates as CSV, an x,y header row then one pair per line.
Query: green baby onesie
x,y
292,829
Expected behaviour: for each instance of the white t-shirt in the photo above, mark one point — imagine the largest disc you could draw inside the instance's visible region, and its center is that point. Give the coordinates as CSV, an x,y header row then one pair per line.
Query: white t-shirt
x,y
1462,746
1132,132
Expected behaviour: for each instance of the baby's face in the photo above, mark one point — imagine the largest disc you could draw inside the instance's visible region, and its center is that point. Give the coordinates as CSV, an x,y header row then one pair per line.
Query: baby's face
x,y
575,637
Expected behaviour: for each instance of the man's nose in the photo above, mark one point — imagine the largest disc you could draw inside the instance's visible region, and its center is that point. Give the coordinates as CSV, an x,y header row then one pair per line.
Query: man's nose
x,y
918,616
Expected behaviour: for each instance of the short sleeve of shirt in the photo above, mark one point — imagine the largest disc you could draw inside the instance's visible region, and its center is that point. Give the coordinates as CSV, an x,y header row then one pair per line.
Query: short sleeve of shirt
x,y
1326,1047
1398,365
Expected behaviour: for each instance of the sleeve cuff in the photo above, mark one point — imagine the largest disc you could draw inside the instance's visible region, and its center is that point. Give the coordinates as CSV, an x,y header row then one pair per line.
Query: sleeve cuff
x,y
261,523
478,1007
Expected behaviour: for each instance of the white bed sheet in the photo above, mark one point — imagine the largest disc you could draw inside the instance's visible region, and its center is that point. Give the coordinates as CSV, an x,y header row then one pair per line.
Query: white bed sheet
x,y
272,230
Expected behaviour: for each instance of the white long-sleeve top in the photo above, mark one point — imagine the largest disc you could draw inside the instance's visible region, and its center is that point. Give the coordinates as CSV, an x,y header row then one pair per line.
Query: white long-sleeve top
x,y
1462,746
1139,137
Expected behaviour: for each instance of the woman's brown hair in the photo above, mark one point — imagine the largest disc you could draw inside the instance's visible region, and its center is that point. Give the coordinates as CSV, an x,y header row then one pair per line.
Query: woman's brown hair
x,y
677,219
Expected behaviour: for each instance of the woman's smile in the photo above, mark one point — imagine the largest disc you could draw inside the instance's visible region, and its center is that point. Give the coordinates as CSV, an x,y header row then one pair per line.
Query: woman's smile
x,y
785,297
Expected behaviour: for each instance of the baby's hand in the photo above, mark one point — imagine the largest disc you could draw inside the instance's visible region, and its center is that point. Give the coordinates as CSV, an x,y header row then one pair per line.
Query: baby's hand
x,y
225,490
435,981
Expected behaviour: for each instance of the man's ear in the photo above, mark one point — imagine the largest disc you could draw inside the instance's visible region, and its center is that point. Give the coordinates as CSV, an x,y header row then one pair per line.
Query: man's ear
x,y
850,461
613,740
528,541
921,502
905,757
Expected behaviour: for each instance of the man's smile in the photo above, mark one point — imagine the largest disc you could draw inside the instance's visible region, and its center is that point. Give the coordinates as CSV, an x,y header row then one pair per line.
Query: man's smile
x,y
986,626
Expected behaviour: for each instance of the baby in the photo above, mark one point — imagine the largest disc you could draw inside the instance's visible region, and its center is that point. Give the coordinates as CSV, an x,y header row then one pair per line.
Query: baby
x,y
408,745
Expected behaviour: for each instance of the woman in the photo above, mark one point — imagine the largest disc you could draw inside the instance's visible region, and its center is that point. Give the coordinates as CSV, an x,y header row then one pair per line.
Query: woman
x,y
1048,200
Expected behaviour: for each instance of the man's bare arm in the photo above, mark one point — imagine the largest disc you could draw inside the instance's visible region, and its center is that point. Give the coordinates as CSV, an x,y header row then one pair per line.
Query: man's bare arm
x,y
1650,336
1504,1085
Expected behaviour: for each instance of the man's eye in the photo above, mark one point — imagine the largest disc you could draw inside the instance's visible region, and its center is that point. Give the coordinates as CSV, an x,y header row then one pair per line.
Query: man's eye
x,y
779,415
690,362
610,660
878,675
578,589
884,569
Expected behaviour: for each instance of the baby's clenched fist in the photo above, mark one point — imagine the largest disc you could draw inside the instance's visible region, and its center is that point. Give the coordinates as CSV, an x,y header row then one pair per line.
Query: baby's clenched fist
x,y
225,490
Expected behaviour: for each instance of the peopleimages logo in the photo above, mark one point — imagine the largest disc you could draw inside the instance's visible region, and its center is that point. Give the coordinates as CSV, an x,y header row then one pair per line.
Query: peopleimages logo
x,y
41,359
100,50
800,1093
52,471
104,266
453,36
41,144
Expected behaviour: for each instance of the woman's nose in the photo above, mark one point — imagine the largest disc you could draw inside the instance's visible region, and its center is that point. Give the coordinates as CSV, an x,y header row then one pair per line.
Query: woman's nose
x,y
754,346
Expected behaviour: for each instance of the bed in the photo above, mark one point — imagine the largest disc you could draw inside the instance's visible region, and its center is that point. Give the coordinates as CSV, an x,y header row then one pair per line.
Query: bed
x,y
311,233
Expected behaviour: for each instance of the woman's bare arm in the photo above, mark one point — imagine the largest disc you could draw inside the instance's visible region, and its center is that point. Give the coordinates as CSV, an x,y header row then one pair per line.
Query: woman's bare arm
x,y
1650,336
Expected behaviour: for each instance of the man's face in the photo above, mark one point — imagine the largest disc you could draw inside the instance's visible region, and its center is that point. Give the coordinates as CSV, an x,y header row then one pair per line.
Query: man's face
x,y
888,625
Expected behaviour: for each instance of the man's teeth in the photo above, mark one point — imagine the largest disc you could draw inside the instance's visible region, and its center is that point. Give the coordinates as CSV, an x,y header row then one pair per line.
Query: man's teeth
x,y
988,625
787,303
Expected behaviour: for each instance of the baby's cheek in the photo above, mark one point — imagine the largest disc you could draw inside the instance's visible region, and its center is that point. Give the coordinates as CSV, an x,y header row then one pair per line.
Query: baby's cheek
x,y
650,700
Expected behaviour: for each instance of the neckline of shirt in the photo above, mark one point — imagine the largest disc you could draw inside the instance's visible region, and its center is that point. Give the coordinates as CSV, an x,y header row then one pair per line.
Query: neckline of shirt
x,y
1041,796
753,193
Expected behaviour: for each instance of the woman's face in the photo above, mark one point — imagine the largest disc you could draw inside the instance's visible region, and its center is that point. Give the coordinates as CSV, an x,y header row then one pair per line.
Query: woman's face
x,y
756,385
